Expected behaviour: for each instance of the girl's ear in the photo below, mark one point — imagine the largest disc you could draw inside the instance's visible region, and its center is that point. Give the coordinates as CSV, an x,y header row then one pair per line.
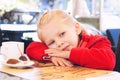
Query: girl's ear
x,y
78,28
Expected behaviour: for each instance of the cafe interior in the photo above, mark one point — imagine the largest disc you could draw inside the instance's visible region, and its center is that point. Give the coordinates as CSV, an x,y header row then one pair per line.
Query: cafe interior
x,y
18,20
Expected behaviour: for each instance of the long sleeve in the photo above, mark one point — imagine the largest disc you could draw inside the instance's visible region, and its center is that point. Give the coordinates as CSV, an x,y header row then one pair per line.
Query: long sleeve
x,y
35,50
96,54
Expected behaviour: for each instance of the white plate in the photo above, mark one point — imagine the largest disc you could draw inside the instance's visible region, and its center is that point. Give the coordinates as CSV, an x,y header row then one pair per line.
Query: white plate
x,y
20,64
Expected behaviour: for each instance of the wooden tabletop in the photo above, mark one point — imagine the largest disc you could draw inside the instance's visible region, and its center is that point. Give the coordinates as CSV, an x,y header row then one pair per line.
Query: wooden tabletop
x,y
42,71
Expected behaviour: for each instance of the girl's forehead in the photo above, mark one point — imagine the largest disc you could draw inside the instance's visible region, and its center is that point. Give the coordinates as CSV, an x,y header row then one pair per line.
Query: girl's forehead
x,y
49,32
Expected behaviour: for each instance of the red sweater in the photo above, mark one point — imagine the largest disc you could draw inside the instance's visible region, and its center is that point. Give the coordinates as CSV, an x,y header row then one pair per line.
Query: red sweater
x,y
92,52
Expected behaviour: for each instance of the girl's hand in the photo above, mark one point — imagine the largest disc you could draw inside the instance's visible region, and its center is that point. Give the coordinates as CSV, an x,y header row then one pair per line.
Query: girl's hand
x,y
57,61
57,53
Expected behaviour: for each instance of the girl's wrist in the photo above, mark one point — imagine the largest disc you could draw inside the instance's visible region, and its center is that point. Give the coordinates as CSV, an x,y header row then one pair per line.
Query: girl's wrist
x,y
46,57
67,54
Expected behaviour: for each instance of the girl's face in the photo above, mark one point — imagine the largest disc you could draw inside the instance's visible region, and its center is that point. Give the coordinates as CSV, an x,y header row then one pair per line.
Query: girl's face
x,y
60,36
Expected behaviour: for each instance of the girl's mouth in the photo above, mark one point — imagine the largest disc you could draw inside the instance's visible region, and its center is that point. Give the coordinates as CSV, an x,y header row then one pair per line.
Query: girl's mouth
x,y
66,48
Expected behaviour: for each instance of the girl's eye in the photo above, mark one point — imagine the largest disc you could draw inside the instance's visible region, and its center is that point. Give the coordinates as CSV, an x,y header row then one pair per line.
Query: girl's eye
x,y
62,34
51,43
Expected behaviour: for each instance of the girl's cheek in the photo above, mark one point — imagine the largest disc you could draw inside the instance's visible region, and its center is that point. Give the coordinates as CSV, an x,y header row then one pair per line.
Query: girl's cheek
x,y
52,46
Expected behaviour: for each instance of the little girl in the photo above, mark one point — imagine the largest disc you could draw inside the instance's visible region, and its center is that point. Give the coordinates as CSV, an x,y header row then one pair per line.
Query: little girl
x,y
64,42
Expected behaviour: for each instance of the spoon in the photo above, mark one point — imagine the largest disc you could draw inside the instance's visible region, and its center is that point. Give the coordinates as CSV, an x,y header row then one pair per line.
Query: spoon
x,y
22,57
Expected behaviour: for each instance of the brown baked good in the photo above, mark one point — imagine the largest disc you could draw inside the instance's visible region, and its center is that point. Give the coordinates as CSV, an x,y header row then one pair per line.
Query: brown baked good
x,y
12,61
23,58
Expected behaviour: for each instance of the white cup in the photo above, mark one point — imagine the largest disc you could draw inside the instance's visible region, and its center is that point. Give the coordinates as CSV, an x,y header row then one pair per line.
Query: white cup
x,y
12,49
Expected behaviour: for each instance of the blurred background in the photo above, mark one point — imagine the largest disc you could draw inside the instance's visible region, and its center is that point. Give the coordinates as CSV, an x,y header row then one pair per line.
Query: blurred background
x,y
102,13
18,17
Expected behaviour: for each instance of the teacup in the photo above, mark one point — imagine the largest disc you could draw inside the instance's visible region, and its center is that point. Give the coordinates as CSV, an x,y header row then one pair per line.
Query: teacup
x,y
12,49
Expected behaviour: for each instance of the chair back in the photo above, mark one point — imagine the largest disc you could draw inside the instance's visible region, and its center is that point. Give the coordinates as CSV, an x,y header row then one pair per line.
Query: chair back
x,y
0,37
117,52
113,35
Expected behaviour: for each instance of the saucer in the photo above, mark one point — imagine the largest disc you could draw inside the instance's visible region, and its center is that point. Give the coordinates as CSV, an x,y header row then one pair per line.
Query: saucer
x,y
20,64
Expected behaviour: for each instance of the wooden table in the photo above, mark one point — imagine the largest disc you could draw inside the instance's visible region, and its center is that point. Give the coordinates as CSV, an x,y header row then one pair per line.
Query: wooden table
x,y
50,72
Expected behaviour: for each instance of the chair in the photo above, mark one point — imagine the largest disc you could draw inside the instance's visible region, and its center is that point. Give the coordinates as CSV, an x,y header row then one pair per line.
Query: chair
x,y
117,52
0,37
113,35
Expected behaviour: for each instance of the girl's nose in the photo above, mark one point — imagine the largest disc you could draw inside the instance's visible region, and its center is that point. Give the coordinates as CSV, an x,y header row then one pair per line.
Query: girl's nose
x,y
59,43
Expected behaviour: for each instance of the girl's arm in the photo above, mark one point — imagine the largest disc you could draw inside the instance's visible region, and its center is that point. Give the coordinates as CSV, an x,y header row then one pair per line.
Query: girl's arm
x,y
99,56
35,51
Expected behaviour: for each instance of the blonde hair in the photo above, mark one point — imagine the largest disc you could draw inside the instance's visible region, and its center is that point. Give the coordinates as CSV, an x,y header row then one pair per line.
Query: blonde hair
x,y
53,15
56,15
